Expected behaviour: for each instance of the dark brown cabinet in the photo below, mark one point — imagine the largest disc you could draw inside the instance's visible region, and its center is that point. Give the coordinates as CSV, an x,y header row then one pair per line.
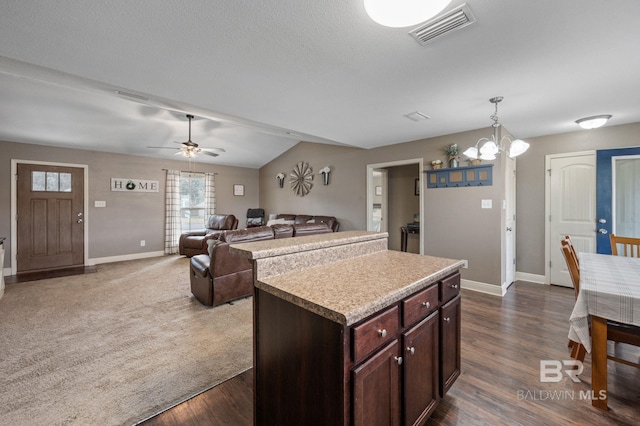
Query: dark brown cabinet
x,y
421,379
391,368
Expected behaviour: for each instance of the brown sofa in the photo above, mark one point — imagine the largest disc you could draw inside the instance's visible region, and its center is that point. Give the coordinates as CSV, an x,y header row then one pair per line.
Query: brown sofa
x,y
220,277
331,221
195,242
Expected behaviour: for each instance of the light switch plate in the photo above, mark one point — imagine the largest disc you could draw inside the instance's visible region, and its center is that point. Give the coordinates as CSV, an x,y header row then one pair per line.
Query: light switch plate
x,y
100,204
487,204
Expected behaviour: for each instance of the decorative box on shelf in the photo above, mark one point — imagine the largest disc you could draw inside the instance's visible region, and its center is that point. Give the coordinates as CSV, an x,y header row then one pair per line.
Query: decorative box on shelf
x,y
460,177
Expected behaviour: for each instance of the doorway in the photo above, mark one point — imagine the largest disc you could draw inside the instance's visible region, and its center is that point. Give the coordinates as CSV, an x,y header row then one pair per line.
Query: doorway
x,y
49,224
381,199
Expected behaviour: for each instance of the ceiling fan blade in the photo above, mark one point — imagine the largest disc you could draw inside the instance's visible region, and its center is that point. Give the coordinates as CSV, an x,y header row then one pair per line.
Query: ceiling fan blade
x,y
162,147
213,154
213,149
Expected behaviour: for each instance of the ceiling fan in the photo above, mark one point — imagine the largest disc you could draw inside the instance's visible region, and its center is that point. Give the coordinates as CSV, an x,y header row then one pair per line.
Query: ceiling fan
x,y
191,149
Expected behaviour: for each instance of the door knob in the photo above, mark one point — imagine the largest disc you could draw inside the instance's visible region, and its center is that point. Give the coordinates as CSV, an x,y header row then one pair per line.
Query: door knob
x,y
79,220
602,231
602,221
509,229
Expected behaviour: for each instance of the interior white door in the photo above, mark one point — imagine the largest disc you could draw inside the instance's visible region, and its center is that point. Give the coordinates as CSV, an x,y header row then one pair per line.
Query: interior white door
x,y
572,210
510,221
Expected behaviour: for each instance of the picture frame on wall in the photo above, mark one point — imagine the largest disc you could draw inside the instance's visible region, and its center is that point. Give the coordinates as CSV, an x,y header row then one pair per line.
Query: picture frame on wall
x,y
416,187
238,190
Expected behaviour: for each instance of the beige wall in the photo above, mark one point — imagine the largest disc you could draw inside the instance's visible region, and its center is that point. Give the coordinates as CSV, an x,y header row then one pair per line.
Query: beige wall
x,y
531,177
117,229
454,224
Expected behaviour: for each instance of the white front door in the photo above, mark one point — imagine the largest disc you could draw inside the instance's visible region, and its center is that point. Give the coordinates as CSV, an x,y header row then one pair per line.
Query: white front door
x,y
571,187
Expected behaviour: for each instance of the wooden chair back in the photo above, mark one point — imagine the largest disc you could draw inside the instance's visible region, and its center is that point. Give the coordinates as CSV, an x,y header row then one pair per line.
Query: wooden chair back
x,y
571,259
630,246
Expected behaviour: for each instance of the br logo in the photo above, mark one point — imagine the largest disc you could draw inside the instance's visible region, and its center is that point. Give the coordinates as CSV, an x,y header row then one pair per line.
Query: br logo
x,y
551,370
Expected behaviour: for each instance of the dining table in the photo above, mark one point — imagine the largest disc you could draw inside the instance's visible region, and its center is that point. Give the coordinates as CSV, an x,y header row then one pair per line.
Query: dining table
x,y
609,290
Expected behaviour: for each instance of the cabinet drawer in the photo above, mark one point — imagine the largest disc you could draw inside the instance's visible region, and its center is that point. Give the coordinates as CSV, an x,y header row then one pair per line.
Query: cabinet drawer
x,y
418,306
449,287
375,332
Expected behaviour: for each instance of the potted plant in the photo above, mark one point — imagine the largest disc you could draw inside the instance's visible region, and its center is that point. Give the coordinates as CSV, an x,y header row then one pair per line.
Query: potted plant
x,y
453,154
436,164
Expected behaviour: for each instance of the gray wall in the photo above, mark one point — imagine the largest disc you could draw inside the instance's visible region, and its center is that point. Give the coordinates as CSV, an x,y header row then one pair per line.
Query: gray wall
x,y
117,229
454,225
531,178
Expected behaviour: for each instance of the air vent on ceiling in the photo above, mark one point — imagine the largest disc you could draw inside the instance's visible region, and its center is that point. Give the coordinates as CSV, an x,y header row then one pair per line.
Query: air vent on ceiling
x,y
417,116
457,18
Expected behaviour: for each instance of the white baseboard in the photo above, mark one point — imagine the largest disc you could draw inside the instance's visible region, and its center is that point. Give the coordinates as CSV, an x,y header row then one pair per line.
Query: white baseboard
x,y
483,287
532,278
121,258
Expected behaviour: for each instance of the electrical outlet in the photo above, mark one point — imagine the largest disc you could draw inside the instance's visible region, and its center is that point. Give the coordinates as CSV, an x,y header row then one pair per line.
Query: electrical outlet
x,y
143,243
487,204
465,265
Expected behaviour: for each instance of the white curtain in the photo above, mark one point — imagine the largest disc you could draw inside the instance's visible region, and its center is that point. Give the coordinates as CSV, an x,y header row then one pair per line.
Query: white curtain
x,y
209,195
172,212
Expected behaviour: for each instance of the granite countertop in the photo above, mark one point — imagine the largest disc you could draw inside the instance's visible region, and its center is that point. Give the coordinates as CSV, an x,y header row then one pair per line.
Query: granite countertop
x,y
349,290
282,246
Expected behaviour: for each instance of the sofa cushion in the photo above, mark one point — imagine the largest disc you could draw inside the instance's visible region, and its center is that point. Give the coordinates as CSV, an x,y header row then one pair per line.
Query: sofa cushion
x,y
302,229
282,231
286,216
259,233
221,221
329,220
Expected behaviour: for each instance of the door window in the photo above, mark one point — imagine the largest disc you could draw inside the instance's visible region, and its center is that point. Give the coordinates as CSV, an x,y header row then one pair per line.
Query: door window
x,y
50,181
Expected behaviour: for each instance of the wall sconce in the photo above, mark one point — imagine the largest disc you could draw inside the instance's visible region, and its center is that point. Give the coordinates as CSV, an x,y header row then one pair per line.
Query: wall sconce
x,y
325,174
491,146
280,178
593,122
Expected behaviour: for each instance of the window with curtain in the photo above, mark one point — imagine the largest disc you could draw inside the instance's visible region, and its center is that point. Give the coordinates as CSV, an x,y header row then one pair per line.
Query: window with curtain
x,y
190,199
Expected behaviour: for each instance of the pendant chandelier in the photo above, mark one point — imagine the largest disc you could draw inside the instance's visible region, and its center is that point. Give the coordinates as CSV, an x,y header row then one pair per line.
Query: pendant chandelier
x,y
403,13
489,148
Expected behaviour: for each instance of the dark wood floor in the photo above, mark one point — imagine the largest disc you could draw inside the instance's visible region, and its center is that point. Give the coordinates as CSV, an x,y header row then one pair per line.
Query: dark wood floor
x,y
503,342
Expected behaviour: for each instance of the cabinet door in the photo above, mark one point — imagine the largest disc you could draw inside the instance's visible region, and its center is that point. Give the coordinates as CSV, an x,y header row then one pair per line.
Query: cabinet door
x,y
421,377
376,388
449,344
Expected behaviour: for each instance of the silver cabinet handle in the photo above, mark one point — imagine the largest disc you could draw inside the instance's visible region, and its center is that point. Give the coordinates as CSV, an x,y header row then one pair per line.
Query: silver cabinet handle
x,y
382,333
426,304
447,319
398,359
454,286
411,350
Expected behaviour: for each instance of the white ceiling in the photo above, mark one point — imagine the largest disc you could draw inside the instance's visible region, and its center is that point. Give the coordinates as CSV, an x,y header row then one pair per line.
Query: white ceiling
x,y
260,76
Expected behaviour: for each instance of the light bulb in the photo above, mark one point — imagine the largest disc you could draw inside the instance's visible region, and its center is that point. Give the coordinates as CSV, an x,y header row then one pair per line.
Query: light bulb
x,y
403,13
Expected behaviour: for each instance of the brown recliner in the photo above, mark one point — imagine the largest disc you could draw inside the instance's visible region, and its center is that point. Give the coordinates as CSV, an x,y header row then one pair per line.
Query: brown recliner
x,y
195,242
220,276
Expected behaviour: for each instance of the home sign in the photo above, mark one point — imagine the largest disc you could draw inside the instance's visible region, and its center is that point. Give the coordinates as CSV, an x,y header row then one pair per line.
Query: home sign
x,y
134,185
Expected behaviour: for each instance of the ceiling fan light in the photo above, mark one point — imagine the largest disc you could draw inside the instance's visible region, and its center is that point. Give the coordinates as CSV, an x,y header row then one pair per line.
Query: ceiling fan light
x,y
471,152
593,122
518,147
403,13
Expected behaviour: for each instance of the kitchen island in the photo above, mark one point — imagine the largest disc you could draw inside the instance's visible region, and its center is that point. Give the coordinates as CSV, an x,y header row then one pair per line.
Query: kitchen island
x,y
348,332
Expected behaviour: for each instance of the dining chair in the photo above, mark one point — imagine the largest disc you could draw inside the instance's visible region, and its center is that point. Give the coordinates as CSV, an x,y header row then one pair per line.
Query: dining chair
x,y
616,332
630,246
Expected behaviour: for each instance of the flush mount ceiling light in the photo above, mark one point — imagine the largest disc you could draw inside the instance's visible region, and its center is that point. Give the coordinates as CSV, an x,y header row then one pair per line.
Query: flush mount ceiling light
x,y
593,122
403,13
491,147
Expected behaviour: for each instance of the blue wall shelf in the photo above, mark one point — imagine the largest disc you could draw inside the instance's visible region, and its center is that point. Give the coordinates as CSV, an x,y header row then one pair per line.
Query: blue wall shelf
x,y
459,177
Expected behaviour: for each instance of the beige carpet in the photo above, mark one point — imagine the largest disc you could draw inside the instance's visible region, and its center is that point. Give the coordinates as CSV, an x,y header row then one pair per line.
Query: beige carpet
x,y
114,347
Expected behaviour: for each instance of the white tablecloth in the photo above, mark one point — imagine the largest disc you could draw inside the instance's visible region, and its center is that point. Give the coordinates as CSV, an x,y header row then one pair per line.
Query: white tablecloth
x,y
609,288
